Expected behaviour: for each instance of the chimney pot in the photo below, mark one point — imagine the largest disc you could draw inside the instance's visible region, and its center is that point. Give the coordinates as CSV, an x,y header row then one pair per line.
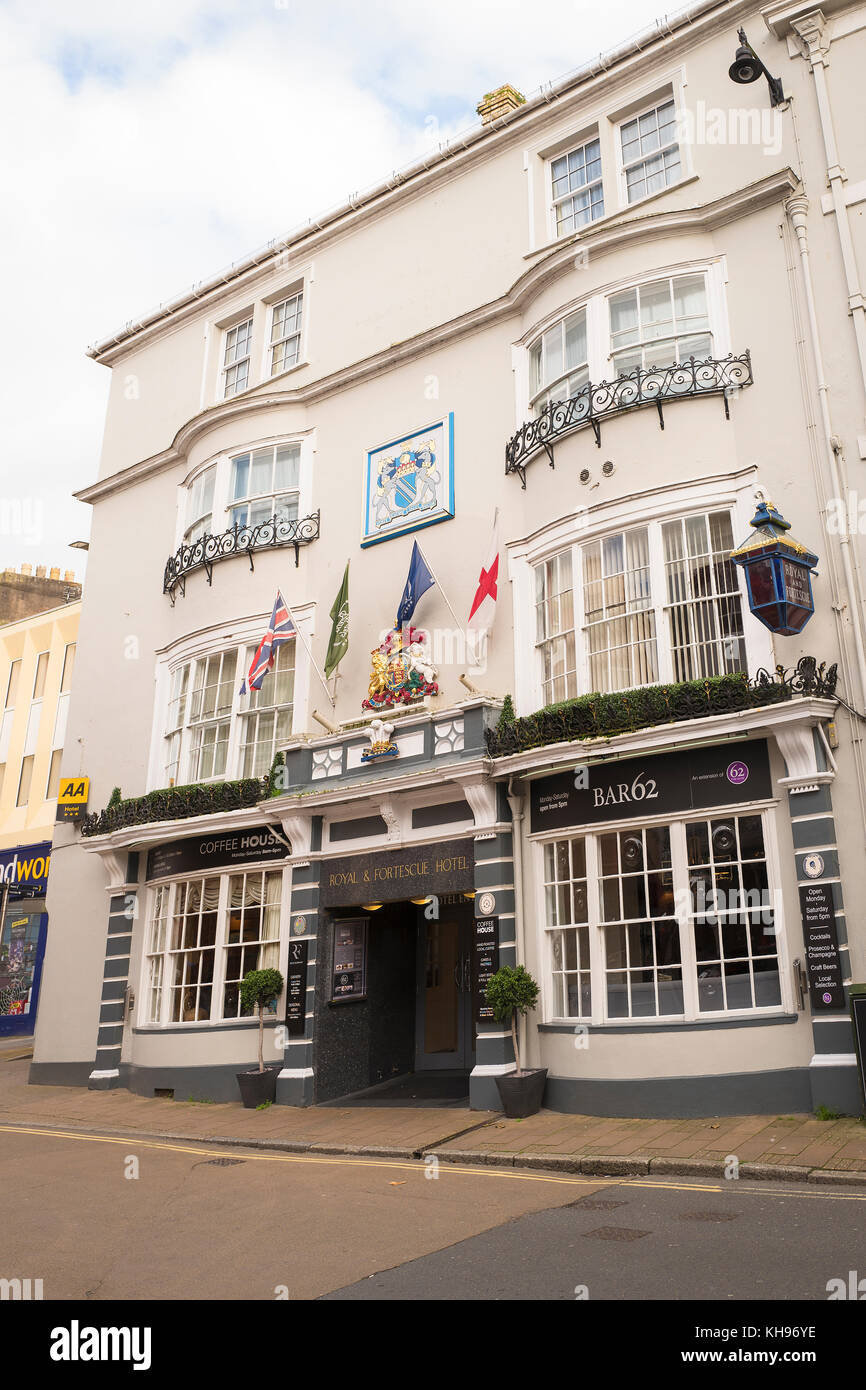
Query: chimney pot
x,y
40,571
499,103
69,576
54,573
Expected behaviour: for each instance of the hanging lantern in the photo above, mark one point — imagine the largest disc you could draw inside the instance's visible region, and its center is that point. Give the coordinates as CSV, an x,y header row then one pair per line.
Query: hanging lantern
x,y
778,573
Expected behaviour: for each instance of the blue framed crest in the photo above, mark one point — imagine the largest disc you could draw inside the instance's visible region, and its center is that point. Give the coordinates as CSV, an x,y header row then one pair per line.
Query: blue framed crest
x,y
409,482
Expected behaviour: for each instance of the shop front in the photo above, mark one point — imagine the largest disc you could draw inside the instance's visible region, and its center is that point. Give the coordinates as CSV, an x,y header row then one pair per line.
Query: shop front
x,y
23,931
685,961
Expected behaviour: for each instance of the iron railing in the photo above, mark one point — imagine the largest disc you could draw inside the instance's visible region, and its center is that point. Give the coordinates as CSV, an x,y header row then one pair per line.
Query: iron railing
x,y
207,550
715,376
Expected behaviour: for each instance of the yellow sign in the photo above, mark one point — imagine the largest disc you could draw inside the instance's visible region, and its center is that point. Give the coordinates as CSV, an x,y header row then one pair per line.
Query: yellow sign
x,y
72,798
74,791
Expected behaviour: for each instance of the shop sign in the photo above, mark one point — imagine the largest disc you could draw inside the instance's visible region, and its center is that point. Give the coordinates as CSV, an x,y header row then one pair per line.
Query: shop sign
x,y
687,780
485,963
296,987
858,1022
823,968
206,852
72,798
26,867
393,875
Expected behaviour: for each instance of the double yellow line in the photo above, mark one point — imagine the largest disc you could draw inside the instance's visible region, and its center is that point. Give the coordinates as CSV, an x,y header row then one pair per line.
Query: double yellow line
x,y
417,1165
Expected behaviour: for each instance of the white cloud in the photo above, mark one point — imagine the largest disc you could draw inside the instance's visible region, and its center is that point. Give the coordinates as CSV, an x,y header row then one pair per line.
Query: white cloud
x,y
148,145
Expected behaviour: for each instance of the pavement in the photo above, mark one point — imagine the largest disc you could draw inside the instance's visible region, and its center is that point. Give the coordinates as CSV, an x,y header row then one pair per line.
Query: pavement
x,y
787,1148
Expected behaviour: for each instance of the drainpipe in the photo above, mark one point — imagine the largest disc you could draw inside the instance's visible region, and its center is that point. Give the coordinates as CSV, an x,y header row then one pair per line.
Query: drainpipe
x,y
796,208
810,31
516,803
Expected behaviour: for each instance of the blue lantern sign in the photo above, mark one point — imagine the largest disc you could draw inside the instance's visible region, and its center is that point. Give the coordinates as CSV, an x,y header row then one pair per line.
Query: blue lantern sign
x,y
778,573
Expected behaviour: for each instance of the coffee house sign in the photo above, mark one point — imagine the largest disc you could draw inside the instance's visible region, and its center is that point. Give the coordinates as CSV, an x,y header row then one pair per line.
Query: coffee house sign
x,y
687,780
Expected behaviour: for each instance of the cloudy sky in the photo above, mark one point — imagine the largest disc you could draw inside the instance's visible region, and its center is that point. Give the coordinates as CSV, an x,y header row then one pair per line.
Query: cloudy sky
x,y
148,145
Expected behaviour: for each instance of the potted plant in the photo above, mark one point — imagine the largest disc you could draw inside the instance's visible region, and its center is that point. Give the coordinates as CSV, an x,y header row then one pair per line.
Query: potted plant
x,y
258,988
512,992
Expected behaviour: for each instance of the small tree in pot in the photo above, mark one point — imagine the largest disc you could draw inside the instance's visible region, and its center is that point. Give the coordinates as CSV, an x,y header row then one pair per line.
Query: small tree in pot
x,y
511,993
258,988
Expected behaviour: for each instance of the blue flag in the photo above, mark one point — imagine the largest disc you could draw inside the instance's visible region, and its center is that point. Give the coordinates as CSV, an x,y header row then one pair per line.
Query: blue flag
x,y
418,581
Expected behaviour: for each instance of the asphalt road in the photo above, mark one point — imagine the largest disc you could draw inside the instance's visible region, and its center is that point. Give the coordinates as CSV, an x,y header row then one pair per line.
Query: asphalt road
x,y
101,1218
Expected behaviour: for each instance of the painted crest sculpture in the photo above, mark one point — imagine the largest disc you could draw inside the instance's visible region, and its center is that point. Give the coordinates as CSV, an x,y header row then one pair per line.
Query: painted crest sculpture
x,y
402,671
381,744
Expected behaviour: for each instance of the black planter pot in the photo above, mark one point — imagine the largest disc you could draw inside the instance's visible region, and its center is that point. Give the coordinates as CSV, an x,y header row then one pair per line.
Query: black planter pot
x,y
521,1095
257,1086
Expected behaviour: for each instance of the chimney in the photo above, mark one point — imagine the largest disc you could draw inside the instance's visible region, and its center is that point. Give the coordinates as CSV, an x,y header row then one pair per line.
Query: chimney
x,y
26,569
69,576
499,103
40,571
55,572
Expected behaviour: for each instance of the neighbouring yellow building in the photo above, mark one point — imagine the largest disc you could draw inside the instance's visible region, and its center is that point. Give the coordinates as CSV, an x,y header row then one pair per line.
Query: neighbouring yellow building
x,y
37,660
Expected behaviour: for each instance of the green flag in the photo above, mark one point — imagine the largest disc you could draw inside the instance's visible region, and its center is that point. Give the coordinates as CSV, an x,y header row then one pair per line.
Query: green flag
x,y
339,641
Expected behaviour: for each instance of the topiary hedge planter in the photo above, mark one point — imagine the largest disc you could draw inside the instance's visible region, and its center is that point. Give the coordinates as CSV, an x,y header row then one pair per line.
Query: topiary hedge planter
x,y
521,1096
256,1087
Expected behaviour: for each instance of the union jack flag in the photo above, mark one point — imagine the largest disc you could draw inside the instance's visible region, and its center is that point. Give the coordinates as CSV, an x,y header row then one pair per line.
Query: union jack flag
x,y
281,630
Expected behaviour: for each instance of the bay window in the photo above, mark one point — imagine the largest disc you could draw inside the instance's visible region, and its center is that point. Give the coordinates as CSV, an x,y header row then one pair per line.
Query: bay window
x,y
559,362
668,921
199,514
209,715
264,483
663,321
211,731
267,720
655,603
203,936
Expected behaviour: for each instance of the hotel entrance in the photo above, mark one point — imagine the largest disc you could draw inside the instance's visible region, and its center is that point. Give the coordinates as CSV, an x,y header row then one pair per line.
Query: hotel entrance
x,y
394,1009
445,1032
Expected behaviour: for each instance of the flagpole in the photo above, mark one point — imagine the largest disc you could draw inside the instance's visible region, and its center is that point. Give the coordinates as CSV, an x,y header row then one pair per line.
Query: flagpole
x,y
300,634
460,625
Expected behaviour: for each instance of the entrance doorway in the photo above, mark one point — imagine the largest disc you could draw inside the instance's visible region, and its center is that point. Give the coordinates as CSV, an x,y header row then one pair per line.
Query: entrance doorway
x,y
444,1024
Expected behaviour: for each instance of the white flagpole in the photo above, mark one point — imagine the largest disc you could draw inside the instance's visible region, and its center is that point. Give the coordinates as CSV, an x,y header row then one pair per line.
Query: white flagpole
x,y
460,625
306,644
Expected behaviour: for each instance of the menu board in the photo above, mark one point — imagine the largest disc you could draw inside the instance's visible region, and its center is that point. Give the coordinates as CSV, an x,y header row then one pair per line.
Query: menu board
x,y
349,975
485,963
823,967
296,987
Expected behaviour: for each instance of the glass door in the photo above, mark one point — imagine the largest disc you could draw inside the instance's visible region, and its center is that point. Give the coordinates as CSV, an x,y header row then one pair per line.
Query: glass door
x,y
445,1032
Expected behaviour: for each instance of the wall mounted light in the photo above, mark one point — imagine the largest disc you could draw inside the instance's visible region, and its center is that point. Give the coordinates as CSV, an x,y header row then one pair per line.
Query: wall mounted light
x,y
747,67
371,907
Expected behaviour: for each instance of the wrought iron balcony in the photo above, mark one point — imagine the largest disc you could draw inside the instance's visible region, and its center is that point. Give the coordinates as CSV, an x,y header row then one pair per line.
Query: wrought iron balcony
x,y
206,550
715,376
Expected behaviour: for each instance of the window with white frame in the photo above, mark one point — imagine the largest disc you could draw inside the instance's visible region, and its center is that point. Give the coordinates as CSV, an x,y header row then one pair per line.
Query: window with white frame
x,y
660,322
211,731
619,623
199,506
267,721
559,362
554,627
265,483
650,151
578,195
658,602
210,708
237,348
203,936
252,934
286,323
664,921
